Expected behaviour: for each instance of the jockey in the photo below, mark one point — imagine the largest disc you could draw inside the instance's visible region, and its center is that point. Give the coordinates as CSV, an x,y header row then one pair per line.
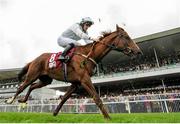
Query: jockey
x,y
77,31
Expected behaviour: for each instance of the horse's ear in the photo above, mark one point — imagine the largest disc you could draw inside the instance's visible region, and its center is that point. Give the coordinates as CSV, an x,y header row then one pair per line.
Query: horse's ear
x,y
117,27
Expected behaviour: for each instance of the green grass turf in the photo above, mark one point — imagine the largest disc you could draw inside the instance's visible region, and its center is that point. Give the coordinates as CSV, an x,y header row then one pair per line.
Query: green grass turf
x,y
15,117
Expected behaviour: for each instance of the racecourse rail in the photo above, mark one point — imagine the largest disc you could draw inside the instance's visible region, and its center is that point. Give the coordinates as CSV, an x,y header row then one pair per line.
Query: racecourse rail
x,y
169,102
166,103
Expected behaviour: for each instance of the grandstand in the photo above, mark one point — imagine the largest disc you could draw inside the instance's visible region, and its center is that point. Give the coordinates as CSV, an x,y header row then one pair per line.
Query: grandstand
x,y
149,83
157,67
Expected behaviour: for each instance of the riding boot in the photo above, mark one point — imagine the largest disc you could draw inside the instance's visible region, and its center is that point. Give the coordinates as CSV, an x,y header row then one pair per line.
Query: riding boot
x,y
62,57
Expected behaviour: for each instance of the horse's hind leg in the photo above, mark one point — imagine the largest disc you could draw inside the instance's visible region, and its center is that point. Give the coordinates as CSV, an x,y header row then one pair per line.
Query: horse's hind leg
x,y
31,76
32,87
87,84
43,81
71,89
20,89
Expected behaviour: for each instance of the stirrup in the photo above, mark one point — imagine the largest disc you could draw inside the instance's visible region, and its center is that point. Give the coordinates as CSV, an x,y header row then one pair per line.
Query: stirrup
x,y
64,59
61,58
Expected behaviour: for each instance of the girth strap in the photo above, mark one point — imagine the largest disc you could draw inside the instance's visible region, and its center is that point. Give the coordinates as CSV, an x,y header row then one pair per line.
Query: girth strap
x,y
65,72
87,57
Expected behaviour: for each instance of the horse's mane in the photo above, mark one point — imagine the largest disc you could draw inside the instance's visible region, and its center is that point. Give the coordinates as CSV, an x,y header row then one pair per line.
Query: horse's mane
x,y
104,34
101,37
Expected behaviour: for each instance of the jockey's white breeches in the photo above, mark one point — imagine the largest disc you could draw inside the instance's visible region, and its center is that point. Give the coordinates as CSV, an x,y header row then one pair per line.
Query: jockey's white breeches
x,y
64,41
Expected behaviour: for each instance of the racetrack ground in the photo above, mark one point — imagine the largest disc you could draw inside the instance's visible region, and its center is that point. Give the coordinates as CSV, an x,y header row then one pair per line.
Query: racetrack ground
x,y
16,117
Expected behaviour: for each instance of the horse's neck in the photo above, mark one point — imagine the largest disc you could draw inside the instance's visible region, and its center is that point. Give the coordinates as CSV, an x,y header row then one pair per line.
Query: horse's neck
x,y
100,49
84,49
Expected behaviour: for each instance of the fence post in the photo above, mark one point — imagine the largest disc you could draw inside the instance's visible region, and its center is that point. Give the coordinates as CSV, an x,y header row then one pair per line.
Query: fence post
x,y
127,105
161,103
31,108
166,106
77,107
129,111
42,105
5,108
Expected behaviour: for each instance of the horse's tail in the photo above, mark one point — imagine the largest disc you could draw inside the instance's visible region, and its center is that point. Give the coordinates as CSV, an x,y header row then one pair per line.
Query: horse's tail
x,y
23,72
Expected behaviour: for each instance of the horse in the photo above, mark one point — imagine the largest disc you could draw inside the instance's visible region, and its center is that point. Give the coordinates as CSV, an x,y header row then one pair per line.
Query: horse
x,y
78,75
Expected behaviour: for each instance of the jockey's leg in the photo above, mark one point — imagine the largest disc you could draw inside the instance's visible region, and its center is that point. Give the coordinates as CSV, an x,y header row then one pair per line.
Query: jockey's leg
x,y
71,89
66,50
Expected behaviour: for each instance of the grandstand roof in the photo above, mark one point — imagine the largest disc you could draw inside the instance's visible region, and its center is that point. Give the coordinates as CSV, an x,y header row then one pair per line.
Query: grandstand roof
x,y
158,35
8,73
166,42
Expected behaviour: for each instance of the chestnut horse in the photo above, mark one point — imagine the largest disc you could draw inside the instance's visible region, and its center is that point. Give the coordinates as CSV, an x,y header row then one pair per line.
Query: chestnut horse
x,y
77,75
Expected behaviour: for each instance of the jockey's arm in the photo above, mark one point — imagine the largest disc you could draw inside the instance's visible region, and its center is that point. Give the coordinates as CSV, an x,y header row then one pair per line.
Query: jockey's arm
x,y
79,32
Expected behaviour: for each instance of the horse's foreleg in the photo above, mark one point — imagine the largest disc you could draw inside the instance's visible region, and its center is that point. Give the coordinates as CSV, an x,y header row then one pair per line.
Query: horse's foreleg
x,y
32,87
71,89
87,84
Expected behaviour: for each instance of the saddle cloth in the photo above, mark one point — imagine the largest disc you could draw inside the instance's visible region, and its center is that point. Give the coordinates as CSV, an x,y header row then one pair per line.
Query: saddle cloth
x,y
53,61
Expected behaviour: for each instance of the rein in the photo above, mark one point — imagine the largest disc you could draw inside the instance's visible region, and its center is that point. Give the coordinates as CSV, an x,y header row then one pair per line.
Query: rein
x,y
112,46
87,56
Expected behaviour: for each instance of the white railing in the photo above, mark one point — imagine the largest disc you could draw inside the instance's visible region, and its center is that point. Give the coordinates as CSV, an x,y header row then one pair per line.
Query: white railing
x,y
128,104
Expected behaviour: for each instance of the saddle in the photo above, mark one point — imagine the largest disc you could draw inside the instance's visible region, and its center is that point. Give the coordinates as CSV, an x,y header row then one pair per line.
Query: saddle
x,y
54,62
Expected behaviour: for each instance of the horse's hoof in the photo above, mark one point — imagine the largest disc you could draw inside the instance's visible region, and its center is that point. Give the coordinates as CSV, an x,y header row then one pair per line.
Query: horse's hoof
x,y
108,118
55,113
21,101
9,101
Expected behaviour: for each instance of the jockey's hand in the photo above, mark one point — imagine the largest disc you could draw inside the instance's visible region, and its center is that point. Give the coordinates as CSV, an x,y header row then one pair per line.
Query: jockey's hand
x,y
94,39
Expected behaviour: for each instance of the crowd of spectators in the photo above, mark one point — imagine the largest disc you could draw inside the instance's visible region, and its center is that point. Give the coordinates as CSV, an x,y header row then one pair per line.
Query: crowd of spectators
x,y
144,63
137,100
136,93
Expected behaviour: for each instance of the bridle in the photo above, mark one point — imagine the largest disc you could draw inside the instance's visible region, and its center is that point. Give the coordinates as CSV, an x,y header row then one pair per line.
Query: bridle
x,y
113,46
